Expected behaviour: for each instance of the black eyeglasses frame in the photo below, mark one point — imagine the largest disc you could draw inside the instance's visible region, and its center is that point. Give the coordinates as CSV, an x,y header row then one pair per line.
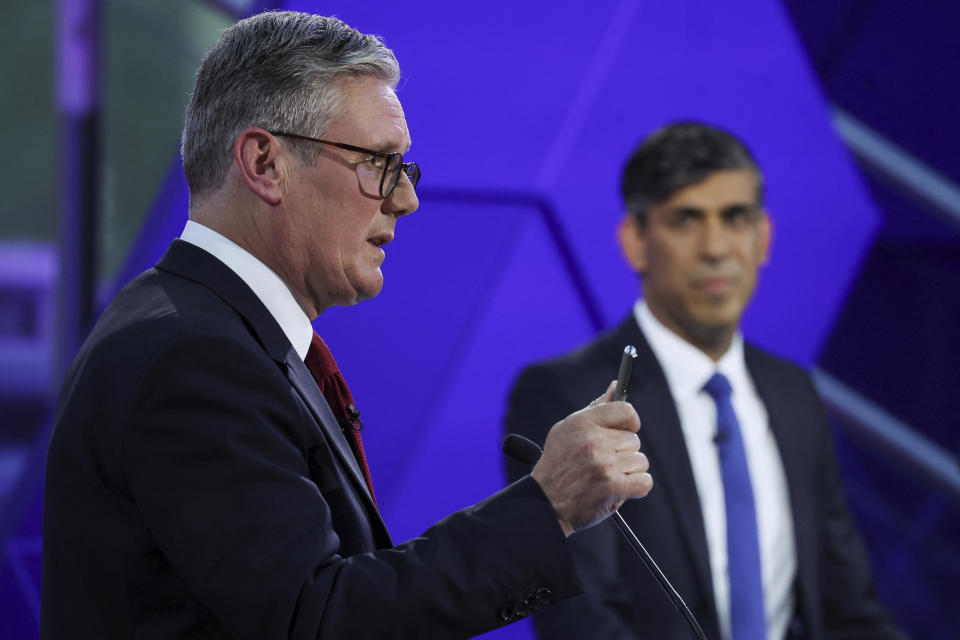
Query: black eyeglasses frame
x,y
409,169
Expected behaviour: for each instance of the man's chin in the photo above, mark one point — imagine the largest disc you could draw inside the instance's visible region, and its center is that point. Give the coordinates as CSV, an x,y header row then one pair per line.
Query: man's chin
x,y
356,292
714,326
370,289
721,312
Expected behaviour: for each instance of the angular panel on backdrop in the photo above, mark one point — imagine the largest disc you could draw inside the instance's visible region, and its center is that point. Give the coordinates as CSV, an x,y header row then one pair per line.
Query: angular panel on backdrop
x,y
547,100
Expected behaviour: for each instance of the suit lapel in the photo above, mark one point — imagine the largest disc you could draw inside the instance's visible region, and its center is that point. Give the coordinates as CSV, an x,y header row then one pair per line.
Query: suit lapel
x,y
193,263
793,443
306,386
663,442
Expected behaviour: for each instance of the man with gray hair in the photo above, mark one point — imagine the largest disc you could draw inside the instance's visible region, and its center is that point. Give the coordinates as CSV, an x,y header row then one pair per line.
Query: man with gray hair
x,y
206,476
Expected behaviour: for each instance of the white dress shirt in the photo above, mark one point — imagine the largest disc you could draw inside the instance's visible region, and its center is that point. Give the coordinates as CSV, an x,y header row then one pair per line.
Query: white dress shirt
x,y
687,369
267,285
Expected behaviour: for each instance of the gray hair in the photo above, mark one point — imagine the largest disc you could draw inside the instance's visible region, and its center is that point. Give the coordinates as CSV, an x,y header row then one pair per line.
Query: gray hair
x,y
278,70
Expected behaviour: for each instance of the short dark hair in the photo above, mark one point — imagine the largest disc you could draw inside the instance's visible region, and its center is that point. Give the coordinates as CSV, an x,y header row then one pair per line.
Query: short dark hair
x,y
277,70
677,156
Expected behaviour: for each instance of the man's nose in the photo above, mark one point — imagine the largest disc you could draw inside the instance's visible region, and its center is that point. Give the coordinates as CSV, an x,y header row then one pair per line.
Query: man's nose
x,y
715,240
402,201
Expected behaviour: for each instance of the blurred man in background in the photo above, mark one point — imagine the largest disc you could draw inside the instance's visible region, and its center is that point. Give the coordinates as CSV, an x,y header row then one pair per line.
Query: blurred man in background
x,y
206,477
748,518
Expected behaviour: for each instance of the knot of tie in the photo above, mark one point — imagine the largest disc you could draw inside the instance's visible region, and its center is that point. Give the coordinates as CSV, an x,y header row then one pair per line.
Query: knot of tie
x,y
718,387
327,374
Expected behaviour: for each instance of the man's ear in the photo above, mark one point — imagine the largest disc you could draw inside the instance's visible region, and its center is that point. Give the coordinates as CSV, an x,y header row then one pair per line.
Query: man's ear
x,y
255,153
633,242
765,237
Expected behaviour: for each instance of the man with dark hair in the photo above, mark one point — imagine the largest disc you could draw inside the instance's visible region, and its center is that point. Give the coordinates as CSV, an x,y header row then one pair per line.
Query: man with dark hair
x,y
748,518
206,476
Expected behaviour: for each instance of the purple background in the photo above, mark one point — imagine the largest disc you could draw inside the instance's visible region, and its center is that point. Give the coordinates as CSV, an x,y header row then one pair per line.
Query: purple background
x,y
522,115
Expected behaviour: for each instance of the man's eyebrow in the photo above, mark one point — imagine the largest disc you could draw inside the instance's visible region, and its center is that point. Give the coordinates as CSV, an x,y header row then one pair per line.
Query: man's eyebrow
x,y
741,206
686,208
388,147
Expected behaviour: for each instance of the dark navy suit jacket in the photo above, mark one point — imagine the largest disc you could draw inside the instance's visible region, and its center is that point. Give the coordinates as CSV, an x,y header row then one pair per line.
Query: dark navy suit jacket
x,y
834,590
198,486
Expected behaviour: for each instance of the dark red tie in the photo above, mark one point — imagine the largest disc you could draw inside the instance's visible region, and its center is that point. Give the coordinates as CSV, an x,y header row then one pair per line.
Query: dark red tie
x,y
334,388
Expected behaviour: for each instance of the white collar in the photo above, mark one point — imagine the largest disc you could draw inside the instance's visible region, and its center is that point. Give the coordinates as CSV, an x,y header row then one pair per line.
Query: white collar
x,y
687,368
273,292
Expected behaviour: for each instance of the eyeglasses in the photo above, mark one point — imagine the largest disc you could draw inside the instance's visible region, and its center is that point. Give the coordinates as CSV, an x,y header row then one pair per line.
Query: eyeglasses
x,y
380,172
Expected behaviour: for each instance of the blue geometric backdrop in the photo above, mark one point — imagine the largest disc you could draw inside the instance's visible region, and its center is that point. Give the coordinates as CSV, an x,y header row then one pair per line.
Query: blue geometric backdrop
x,y
521,116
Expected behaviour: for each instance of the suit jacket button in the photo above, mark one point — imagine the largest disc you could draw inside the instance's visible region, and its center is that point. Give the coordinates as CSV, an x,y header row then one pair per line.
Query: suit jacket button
x,y
543,595
508,613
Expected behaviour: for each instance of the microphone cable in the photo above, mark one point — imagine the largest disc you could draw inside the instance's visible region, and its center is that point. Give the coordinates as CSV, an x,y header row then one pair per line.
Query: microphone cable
x,y
526,451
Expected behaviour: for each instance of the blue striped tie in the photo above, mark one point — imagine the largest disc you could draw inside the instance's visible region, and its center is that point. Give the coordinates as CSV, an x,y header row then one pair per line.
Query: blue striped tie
x,y
747,619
